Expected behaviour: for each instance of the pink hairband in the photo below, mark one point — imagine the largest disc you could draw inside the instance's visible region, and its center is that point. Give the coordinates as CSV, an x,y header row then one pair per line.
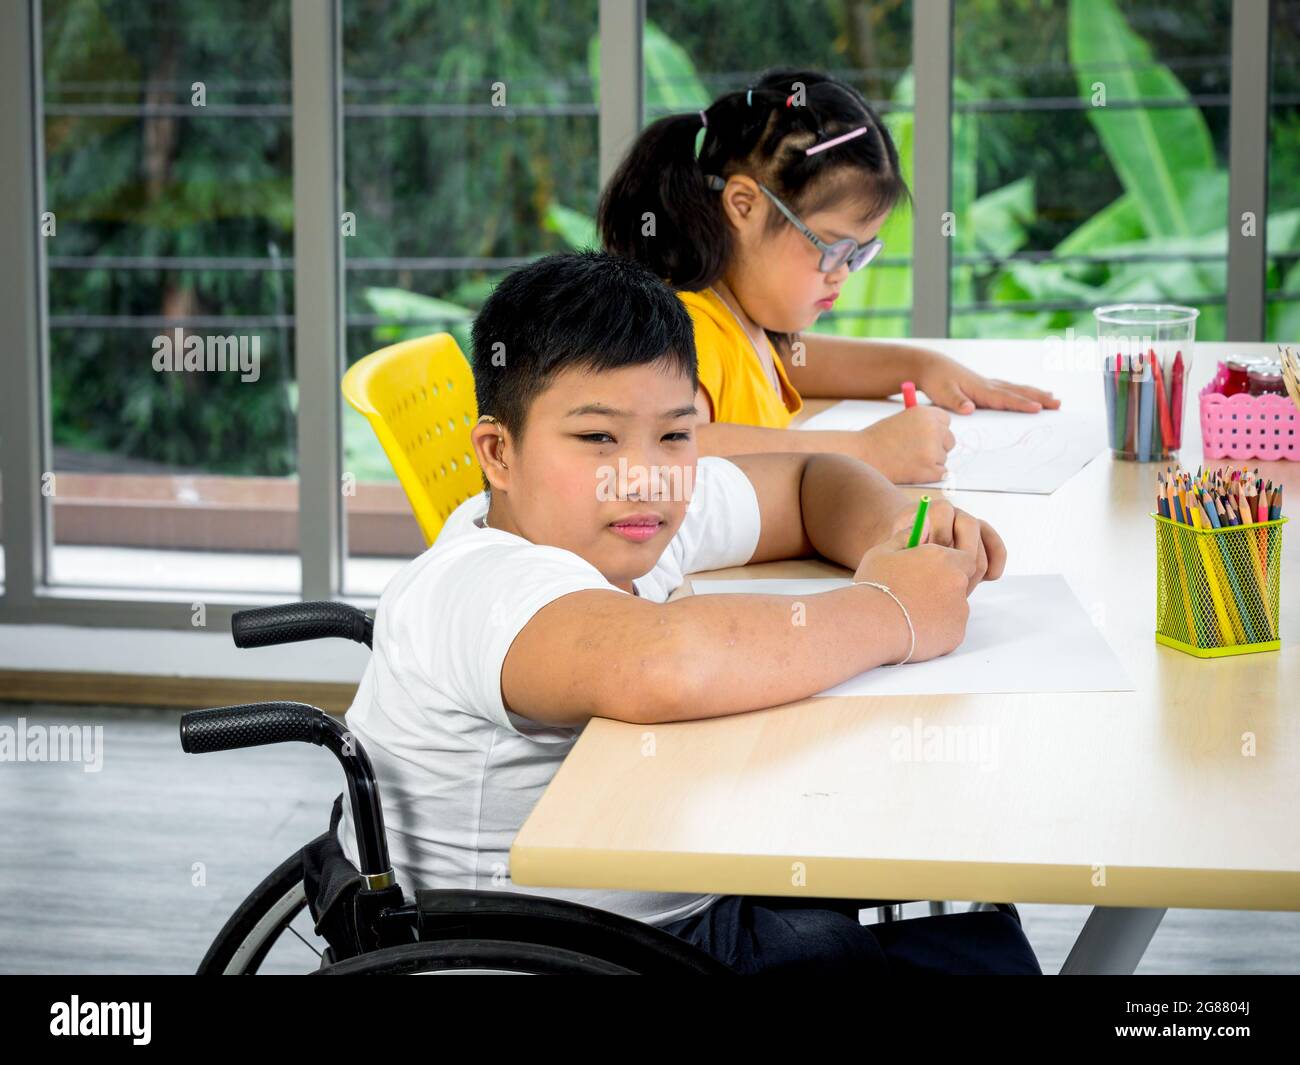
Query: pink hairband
x,y
835,140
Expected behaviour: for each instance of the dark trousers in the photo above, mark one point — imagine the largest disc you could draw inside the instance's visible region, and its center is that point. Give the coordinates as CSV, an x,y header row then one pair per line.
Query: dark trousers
x,y
771,935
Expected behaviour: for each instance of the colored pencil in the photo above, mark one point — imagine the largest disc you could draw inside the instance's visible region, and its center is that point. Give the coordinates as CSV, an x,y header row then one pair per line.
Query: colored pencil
x,y
1176,398
1261,581
1216,560
919,523
1169,505
1291,374
1236,574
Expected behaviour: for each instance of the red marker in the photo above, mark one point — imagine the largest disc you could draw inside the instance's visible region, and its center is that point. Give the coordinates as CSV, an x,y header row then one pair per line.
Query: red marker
x,y
909,394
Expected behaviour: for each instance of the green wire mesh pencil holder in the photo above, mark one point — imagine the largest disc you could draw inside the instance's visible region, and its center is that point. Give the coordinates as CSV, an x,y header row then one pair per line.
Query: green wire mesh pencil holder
x,y
1218,590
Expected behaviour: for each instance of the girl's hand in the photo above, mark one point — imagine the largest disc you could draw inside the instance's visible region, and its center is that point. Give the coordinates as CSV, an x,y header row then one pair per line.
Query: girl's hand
x,y
952,386
910,447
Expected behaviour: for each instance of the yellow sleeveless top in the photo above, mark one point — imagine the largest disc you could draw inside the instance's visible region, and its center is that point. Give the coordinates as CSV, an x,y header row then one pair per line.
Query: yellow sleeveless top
x,y
730,371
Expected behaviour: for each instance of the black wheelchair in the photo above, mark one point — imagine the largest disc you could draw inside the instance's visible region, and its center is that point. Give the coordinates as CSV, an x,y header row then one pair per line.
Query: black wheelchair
x,y
360,914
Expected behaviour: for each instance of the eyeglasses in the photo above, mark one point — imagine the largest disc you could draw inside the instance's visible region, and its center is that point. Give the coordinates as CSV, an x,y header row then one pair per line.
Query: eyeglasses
x,y
833,255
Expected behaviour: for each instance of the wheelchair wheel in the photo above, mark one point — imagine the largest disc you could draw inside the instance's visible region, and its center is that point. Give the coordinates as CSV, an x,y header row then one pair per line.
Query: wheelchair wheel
x,y
466,957
242,945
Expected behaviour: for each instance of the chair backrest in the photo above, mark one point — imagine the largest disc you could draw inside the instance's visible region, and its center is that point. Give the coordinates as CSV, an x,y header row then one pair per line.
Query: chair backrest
x,y
419,399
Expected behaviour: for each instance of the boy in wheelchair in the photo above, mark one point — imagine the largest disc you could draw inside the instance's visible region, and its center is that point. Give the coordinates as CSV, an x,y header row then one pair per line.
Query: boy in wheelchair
x,y
543,603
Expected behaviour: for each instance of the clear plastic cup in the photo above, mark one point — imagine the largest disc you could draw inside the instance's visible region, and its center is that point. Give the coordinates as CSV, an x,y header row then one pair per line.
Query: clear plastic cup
x,y
1147,351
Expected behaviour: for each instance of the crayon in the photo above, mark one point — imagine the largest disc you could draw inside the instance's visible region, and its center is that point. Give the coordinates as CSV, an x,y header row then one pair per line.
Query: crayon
x,y
1121,402
1146,410
1176,398
1130,430
1162,402
1108,378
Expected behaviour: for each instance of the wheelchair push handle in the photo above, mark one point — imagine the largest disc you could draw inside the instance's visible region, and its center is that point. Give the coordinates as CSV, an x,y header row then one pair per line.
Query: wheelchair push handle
x,y
295,622
228,728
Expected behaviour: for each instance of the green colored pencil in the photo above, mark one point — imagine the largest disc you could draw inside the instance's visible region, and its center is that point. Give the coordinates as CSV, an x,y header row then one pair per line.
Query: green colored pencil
x,y
919,524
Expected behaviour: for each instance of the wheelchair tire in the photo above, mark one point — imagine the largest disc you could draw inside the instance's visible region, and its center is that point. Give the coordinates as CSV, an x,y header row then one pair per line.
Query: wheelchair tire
x,y
244,940
474,956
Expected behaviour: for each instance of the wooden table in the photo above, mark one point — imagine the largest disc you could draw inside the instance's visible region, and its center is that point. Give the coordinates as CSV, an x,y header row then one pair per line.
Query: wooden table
x,y
1182,793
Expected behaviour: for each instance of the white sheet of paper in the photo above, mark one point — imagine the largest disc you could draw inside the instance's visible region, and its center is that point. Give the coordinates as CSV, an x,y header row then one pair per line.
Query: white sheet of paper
x,y
1025,634
997,450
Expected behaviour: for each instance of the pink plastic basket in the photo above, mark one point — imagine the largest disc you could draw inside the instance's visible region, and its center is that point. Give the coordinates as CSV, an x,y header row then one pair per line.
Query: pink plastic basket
x,y
1248,427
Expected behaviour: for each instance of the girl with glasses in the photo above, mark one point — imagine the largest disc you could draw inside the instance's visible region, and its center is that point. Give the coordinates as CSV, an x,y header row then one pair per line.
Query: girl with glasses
x,y
793,180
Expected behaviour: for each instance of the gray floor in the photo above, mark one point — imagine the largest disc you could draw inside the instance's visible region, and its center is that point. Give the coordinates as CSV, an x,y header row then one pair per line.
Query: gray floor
x,y
133,869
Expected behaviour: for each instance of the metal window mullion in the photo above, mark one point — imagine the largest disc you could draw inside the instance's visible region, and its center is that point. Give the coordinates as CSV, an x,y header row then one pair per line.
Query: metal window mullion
x,y
622,81
932,33
318,292
24,423
1248,169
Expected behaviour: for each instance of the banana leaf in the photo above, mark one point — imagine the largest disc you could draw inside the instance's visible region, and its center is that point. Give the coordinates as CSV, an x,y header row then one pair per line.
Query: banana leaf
x,y
1116,223
433,315
999,219
576,229
671,83
1149,148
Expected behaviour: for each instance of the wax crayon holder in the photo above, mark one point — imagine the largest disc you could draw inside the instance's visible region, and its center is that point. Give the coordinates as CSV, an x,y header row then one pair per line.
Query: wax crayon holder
x,y
1147,353
1248,427
1218,590
1144,407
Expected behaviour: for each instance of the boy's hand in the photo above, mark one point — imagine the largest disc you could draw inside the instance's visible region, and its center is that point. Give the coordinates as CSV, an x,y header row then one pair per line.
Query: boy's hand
x,y
947,526
952,386
932,582
910,447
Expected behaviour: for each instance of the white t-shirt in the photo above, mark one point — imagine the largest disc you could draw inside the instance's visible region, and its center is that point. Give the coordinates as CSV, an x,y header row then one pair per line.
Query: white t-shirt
x,y
458,773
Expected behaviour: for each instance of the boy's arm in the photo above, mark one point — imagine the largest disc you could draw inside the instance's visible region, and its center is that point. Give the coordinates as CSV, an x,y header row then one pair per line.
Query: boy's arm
x,y
606,654
831,504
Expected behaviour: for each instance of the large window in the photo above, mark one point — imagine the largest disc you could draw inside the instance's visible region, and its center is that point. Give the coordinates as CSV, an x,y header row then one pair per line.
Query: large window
x,y
470,145
1090,142
695,52
1089,148
169,242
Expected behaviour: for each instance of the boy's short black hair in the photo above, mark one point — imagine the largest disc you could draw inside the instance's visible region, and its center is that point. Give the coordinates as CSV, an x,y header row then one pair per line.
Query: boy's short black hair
x,y
587,310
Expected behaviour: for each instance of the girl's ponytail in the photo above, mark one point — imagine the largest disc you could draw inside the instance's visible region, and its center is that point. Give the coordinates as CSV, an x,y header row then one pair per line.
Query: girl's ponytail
x,y
659,210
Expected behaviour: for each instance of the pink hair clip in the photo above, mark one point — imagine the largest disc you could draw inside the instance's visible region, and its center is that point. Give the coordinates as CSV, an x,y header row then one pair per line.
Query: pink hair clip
x,y
835,140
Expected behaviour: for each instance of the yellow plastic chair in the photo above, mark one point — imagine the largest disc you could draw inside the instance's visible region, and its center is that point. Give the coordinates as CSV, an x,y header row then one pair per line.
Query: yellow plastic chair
x,y
418,397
